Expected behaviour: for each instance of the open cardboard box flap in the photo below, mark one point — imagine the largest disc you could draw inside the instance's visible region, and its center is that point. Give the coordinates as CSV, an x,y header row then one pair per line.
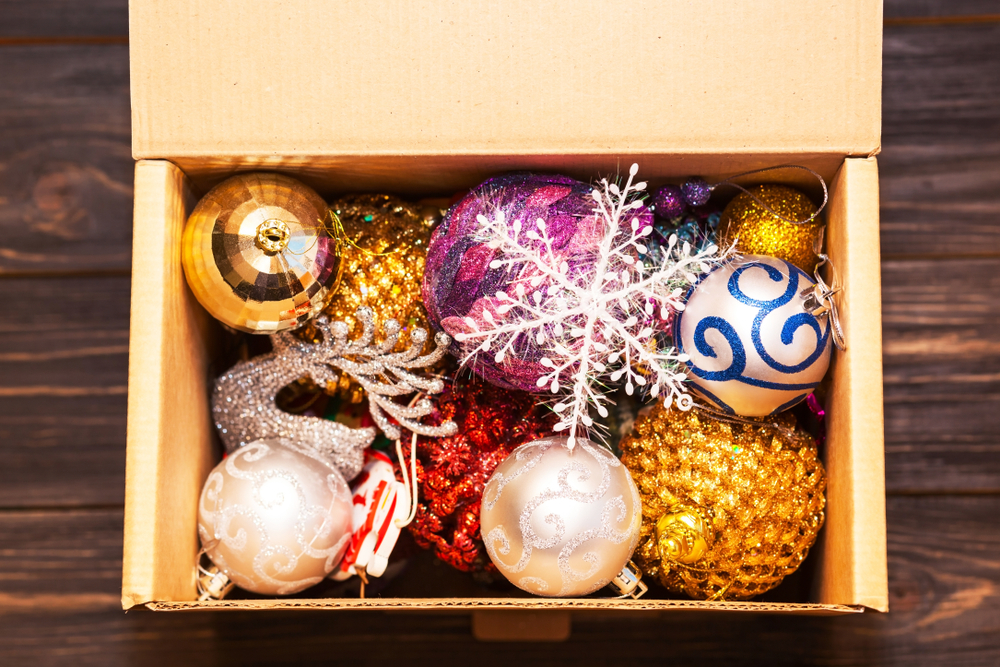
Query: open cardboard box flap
x,y
280,79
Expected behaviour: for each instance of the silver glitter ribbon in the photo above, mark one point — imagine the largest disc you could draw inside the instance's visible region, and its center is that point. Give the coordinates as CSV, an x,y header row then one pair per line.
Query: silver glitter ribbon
x,y
244,408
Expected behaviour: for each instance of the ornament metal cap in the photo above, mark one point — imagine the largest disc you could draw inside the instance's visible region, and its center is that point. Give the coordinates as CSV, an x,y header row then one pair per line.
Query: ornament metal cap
x,y
213,583
629,582
683,534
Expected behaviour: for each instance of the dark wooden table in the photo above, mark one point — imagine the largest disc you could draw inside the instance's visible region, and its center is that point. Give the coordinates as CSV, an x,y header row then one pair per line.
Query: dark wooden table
x,y
65,235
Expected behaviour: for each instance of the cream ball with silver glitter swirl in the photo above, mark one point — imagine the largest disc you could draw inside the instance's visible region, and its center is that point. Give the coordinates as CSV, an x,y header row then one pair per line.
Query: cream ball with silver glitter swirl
x,y
274,518
560,522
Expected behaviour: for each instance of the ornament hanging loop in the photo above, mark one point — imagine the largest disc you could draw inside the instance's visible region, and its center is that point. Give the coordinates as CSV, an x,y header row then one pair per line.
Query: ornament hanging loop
x,y
409,480
212,583
760,202
818,299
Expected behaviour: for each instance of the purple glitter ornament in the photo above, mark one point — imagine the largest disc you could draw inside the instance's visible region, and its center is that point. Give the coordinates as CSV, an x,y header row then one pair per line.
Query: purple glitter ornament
x,y
696,191
458,280
669,202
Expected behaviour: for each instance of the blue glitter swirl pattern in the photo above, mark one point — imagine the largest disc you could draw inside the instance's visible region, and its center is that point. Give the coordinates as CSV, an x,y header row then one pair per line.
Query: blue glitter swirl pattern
x,y
736,305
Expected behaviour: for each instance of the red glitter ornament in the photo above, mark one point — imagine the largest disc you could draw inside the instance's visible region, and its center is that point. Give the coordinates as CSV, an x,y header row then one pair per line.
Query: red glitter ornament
x,y
452,471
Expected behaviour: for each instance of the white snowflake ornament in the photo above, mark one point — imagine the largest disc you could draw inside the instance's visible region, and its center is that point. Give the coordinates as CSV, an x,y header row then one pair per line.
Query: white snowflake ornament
x,y
592,320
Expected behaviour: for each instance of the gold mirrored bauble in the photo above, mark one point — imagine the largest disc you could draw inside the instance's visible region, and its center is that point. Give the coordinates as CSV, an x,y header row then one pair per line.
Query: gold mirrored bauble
x,y
757,231
729,509
257,254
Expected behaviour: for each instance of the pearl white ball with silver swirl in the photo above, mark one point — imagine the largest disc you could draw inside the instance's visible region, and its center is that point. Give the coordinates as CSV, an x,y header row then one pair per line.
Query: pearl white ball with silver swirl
x,y
274,518
754,348
560,523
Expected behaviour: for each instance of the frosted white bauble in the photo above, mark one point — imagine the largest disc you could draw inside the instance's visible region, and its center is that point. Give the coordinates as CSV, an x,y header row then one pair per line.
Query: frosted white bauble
x,y
560,523
273,518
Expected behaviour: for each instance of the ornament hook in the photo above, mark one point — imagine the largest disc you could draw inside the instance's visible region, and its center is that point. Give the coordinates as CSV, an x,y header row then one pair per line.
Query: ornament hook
x,y
818,299
212,583
629,582
272,236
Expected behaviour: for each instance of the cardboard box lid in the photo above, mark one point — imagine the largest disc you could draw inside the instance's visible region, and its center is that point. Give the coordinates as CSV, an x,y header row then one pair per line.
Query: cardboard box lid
x,y
391,77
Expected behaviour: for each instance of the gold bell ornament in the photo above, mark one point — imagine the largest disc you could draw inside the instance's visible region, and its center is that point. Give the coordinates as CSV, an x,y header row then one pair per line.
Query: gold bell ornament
x,y
257,253
730,506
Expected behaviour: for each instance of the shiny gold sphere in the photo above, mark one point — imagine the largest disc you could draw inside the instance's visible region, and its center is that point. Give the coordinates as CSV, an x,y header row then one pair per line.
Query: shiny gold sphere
x,y
757,231
729,509
256,254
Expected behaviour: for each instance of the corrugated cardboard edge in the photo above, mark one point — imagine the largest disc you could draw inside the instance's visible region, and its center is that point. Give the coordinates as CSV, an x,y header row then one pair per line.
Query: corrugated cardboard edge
x,y
853,565
469,604
166,460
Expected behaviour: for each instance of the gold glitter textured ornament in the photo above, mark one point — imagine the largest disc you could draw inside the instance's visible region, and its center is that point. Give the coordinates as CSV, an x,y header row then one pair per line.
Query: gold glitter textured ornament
x,y
383,255
758,231
256,253
729,509
383,251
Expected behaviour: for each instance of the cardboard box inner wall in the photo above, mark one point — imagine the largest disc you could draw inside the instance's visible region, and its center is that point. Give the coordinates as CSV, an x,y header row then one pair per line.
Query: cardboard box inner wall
x,y
171,445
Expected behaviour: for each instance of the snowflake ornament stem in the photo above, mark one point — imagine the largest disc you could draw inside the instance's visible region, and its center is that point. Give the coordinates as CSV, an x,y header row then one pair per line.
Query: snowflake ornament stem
x,y
594,324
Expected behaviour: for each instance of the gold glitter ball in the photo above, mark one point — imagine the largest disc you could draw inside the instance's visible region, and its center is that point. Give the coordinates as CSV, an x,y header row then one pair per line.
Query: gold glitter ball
x,y
757,231
729,509
256,253
383,251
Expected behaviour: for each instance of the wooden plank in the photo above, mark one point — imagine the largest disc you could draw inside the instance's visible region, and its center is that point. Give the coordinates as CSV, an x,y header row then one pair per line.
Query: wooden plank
x,y
940,161
63,18
65,159
62,559
941,374
63,384
931,9
61,586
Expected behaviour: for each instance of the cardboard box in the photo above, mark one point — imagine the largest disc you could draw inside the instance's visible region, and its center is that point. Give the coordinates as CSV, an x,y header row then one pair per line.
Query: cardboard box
x,y
429,98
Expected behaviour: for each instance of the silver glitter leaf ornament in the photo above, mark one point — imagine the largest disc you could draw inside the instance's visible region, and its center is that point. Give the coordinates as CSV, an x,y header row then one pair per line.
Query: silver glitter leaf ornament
x,y
243,402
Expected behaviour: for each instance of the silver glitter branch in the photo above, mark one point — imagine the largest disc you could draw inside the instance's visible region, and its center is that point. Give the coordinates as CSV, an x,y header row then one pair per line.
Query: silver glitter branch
x,y
383,373
244,408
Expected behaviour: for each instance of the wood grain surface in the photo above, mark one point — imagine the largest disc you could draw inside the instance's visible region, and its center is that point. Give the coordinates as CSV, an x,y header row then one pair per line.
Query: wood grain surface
x,y
65,248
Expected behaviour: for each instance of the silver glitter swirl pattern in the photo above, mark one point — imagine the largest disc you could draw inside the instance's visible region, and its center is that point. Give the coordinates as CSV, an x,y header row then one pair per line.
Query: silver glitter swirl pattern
x,y
275,518
589,508
243,402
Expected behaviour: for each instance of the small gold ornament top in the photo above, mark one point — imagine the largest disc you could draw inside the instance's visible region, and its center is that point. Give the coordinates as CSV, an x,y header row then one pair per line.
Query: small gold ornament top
x,y
272,235
683,534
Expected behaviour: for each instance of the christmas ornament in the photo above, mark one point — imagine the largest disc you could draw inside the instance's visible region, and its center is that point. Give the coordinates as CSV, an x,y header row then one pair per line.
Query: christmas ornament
x,y
243,404
669,202
560,522
383,251
381,508
696,191
257,255
729,508
757,340
273,518
773,220
538,280
492,422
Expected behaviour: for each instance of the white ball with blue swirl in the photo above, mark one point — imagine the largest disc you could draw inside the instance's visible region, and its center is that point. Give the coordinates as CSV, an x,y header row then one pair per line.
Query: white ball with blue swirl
x,y
754,349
